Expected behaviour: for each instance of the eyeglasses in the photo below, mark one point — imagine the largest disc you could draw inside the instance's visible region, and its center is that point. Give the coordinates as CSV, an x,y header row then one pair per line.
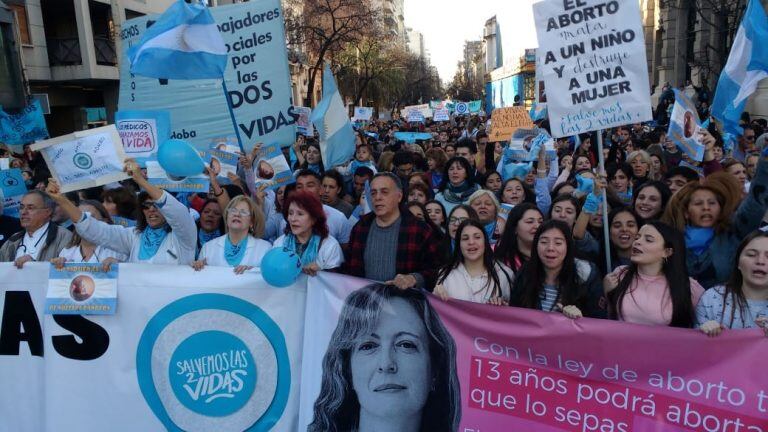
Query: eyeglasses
x,y
146,205
240,212
456,220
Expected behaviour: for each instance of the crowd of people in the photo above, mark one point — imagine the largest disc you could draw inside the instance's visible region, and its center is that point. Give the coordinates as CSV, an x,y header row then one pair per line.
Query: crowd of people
x,y
685,243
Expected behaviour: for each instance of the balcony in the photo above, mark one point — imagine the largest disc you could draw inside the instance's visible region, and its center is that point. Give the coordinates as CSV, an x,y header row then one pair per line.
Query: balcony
x,y
64,51
106,55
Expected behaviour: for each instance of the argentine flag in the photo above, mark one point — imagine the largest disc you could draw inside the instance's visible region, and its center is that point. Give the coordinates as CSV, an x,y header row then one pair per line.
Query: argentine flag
x,y
337,138
747,65
184,43
538,111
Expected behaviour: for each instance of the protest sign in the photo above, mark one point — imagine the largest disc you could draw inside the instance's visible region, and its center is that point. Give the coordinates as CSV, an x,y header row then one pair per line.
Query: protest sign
x,y
222,163
539,371
82,289
441,114
303,125
461,108
142,132
259,91
415,117
592,59
25,127
475,106
84,159
363,114
271,169
504,122
437,104
13,188
5,163
684,127
424,109
187,350
496,368
157,176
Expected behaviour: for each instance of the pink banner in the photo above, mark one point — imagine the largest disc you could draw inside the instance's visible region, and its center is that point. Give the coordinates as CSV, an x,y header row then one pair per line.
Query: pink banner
x,y
528,370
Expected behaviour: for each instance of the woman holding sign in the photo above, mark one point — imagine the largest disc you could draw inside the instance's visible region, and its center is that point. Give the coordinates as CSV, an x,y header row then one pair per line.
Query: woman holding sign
x,y
165,232
241,246
81,250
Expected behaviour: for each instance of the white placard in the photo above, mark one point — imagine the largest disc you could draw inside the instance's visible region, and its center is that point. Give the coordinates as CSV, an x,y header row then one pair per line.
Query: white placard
x,y
592,57
85,159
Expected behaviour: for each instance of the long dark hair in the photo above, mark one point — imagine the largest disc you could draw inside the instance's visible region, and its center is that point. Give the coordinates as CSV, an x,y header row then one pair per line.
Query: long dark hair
x,y
614,256
337,407
675,272
734,286
530,194
465,164
506,248
489,262
661,187
141,220
570,290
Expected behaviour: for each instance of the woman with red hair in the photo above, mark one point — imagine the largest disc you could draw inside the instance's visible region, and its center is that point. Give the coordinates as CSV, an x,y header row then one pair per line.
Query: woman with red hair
x,y
306,234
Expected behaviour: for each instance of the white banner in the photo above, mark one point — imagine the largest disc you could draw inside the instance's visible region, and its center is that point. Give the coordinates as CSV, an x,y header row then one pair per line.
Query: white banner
x,y
442,114
363,113
85,159
424,109
186,350
592,57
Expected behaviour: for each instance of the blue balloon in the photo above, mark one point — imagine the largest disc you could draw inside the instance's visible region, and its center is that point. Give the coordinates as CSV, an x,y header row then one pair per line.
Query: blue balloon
x,y
280,267
179,159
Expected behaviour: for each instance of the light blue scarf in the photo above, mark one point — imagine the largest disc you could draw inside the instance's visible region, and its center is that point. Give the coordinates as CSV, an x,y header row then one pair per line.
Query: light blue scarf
x,y
314,167
310,252
151,239
204,237
234,253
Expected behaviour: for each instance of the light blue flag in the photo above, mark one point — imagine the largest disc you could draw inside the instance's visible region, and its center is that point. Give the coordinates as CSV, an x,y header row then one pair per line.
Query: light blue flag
x,y
411,137
747,65
538,111
337,138
475,106
184,43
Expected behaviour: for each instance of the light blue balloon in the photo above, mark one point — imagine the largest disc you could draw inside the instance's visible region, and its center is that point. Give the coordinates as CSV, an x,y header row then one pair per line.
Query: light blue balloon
x,y
280,267
179,159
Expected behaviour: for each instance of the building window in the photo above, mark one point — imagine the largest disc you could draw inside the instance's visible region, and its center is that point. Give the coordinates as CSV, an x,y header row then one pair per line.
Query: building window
x,y
21,20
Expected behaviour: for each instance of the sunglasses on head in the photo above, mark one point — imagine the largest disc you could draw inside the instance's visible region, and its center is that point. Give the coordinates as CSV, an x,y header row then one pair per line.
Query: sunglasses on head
x,y
146,205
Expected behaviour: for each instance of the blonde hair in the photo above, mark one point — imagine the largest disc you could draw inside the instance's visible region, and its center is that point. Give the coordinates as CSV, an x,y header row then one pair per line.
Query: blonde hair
x,y
724,186
644,155
257,215
484,192
385,160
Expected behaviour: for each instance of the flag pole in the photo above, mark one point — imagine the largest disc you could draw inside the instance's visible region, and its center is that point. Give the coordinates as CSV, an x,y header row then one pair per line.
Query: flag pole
x,y
606,228
232,114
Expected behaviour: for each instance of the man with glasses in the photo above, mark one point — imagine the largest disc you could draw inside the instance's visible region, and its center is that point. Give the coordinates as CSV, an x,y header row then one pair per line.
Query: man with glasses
x,y
391,245
746,144
40,240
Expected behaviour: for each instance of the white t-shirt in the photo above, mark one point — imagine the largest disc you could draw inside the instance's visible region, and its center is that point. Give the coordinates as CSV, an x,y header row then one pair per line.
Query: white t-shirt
x,y
329,256
213,252
460,285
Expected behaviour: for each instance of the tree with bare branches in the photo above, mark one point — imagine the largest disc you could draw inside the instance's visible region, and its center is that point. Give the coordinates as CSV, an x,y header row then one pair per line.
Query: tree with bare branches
x,y
327,27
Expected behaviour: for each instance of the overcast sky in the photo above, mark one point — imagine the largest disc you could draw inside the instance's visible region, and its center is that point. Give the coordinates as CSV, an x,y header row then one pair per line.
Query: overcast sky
x,y
446,24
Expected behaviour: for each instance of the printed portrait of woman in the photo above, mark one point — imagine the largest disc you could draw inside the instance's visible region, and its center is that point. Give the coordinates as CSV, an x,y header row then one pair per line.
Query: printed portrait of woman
x,y
82,288
266,172
689,124
215,166
390,366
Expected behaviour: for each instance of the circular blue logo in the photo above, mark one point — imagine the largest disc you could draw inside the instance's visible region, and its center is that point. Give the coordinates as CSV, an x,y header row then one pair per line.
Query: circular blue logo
x,y
212,373
82,160
192,367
